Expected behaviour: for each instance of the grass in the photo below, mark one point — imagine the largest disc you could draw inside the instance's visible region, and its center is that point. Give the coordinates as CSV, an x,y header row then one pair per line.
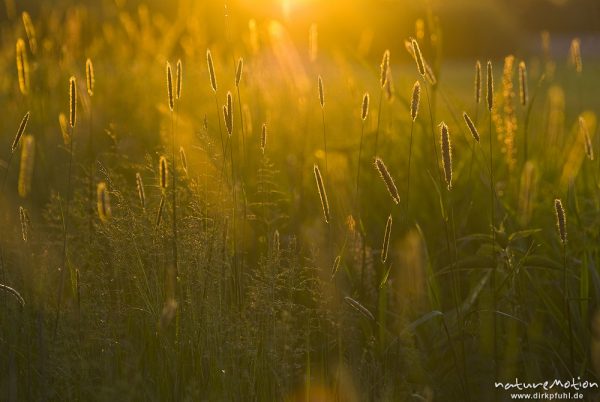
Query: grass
x,y
283,281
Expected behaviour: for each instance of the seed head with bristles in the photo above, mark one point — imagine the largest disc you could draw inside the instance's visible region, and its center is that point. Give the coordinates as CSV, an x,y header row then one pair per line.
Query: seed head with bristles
x,y
446,154
561,220
89,77
163,172
418,57
387,179
238,72
263,138
104,211
477,82
26,168
523,91
30,31
140,189
385,65
183,157
22,67
211,71
20,132
365,107
386,239
228,114
170,87
414,104
589,149
575,53
178,79
72,102
490,86
471,127
322,193
321,93
24,218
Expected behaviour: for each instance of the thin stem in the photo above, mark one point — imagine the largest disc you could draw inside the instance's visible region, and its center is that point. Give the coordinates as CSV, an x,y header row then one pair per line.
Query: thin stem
x,y
174,195
493,232
568,309
412,125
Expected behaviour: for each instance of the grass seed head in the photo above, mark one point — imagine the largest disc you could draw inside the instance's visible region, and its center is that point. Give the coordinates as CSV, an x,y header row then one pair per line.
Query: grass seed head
x,y
523,91
446,154
72,102
170,87
365,107
414,104
387,179
238,72
22,67
20,132
322,193
490,86
178,79
471,127
163,172
26,167
89,77
418,57
211,71
561,220
321,93
478,82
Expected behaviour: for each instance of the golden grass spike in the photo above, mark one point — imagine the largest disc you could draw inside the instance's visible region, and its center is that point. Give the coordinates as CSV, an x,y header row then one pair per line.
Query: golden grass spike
x,y
523,90
263,138
336,266
471,126
24,218
161,207
211,71
385,65
104,212
20,132
62,121
490,86
389,86
387,179
418,57
178,79
321,93
478,82
30,31
575,53
22,67
170,87
322,193
72,102
561,220
89,76
589,149
414,104
446,154
228,114
386,239
163,172
26,168
365,107
183,157
238,72
140,189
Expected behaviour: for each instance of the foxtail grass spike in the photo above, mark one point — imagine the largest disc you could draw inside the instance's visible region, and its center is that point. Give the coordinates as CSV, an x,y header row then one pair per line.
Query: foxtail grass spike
x,y
561,220
211,71
386,239
183,157
26,168
321,93
575,53
322,193
418,57
414,104
104,212
387,179
238,72
263,138
30,31
365,107
170,87
72,102
446,154
24,218
20,132
478,82
22,67
471,126
178,79
490,86
89,77
163,172
159,214
523,90
385,65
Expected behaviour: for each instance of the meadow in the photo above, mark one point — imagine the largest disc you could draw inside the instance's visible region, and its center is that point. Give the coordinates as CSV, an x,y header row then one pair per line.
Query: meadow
x,y
223,212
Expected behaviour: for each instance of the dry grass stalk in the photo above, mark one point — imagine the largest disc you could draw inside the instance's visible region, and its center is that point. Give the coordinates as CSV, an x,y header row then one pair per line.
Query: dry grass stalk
x,y
386,240
322,193
387,179
20,132
140,190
